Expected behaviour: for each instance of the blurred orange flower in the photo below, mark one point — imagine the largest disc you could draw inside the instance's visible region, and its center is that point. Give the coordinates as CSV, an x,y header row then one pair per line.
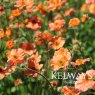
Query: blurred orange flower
x,y
20,3
92,8
80,62
41,8
60,59
16,56
18,82
84,7
67,90
10,44
16,13
57,24
42,37
8,32
74,22
5,71
56,4
84,17
69,12
1,33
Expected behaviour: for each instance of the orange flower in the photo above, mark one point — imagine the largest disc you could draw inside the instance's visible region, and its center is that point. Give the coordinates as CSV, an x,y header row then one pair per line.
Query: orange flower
x,y
1,33
67,90
16,13
8,32
18,82
60,59
34,23
28,48
92,8
85,81
20,3
41,8
56,25
33,64
56,4
46,36
69,12
74,22
80,62
29,4
10,44
16,56
42,37
84,17
84,7
57,42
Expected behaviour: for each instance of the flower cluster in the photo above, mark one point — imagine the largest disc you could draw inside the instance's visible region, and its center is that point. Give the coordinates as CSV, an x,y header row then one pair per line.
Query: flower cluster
x,y
38,37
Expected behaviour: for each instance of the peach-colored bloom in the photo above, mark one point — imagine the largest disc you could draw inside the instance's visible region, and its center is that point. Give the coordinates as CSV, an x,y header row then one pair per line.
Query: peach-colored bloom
x,y
28,48
57,25
92,8
29,4
16,56
67,90
33,64
74,22
20,3
34,23
85,81
80,62
69,12
57,42
56,4
1,33
25,3
17,82
84,7
5,71
60,59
